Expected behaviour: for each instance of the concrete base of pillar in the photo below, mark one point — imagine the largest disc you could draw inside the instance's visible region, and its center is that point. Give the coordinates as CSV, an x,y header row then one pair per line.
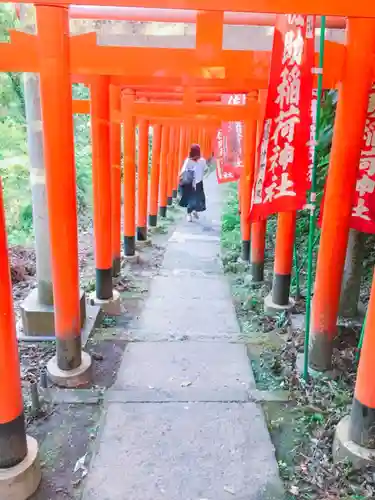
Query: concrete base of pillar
x,y
132,259
93,317
272,309
39,319
144,243
312,373
22,481
343,448
110,306
79,377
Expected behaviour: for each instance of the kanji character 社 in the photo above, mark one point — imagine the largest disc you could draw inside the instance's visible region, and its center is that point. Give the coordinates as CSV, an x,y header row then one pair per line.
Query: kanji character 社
x,y
270,192
360,210
284,187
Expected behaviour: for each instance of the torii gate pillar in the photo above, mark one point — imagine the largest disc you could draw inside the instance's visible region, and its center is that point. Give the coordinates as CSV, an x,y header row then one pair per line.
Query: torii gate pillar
x,y
345,155
70,367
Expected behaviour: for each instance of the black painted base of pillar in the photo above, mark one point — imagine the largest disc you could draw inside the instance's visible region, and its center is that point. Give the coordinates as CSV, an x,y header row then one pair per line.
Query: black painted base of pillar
x,y
163,211
281,289
174,194
257,271
246,250
13,446
104,284
320,351
68,352
169,201
152,220
129,245
362,425
116,266
142,233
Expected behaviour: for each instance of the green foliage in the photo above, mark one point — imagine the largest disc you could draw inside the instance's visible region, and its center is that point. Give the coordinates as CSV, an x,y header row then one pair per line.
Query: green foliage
x,y
14,173
83,156
12,103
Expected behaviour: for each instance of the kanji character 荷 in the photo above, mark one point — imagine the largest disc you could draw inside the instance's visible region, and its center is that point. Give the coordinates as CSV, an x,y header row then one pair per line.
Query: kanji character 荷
x,y
285,124
367,164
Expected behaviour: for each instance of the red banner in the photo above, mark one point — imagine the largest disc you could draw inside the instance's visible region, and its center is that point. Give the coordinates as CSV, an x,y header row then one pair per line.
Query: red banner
x,y
363,212
286,150
229,144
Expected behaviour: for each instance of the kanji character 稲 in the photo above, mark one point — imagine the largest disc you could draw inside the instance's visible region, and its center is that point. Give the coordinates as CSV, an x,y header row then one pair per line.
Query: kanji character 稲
x,y
365,185
368,165
361,210
293,47
285,124
284,189
288,91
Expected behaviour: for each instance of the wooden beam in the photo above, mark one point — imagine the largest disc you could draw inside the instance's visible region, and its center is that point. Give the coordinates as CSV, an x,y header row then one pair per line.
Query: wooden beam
x,y
230,69
347,8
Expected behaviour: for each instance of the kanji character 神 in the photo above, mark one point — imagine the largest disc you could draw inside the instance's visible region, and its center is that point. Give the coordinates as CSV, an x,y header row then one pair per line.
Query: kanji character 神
x,y
286,155
365,185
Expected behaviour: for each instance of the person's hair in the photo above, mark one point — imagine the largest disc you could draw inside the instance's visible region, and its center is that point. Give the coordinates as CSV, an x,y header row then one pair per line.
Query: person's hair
x,y
195,152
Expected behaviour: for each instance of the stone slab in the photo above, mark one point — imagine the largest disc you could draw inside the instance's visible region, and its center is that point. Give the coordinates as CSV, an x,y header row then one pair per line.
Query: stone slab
x,y
184,236
194,451
171,366
180,395
195,287
211,264
179,318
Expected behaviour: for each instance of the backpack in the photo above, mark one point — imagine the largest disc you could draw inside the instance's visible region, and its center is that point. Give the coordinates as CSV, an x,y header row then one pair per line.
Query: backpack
x,y
187,177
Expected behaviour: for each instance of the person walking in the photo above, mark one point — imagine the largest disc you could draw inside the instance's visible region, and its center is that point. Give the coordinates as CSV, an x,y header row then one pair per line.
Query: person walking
x,y
191,183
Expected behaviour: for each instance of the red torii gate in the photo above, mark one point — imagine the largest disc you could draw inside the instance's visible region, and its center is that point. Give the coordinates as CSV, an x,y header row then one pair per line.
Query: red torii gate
x,y
55,62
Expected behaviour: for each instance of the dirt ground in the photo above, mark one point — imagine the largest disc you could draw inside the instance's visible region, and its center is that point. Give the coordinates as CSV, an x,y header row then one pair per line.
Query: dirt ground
x,y
66,431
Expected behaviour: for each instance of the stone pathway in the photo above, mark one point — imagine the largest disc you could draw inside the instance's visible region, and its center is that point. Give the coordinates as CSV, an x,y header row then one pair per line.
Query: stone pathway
x,y
179,423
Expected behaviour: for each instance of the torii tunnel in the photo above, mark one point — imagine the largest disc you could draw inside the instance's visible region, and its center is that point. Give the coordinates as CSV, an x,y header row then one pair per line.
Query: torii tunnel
x,y
178,93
